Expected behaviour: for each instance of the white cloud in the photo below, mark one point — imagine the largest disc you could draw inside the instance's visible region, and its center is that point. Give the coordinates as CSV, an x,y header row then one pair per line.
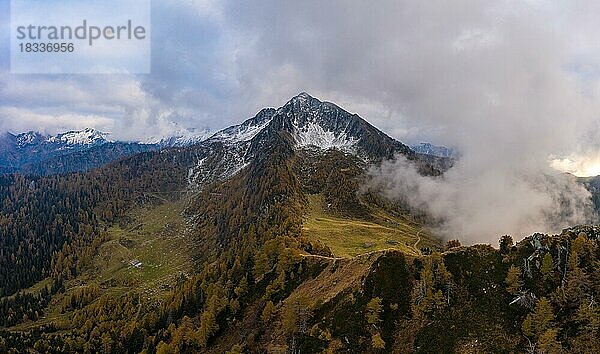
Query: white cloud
x,y
19,120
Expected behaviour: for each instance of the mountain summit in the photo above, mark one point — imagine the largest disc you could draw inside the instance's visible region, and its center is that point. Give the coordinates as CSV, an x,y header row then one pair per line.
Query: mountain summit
x,y
324,125
87,137
317,124
308,123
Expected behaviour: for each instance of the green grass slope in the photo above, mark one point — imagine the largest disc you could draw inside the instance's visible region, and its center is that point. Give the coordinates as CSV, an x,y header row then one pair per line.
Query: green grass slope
x,y
155,236
352,236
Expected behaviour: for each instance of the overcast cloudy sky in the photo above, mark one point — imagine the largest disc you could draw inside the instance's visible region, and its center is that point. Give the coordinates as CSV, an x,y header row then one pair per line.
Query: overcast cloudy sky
x,y
444,71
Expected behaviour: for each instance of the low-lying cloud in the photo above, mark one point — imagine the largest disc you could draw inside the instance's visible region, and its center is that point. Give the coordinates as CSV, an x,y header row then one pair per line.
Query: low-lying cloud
x,y
480,207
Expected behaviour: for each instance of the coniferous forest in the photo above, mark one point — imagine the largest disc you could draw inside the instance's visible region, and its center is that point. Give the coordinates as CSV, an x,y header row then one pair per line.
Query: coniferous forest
x,y
169,184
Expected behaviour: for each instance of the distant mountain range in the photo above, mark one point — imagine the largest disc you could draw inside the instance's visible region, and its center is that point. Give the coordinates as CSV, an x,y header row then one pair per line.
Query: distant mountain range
x,y
36,153
79,150
310,122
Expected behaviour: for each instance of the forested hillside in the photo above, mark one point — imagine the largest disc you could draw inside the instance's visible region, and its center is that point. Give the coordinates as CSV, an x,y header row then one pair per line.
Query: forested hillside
x,y
289,253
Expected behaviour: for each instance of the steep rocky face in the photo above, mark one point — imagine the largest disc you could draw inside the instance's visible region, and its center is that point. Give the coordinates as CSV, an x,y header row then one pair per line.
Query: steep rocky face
x,y
324,125
309,124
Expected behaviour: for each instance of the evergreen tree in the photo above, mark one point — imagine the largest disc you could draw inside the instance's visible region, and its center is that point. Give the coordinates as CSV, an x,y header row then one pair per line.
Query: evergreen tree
x,y
506,242
541,320
268,312
513,280
377,342
547,265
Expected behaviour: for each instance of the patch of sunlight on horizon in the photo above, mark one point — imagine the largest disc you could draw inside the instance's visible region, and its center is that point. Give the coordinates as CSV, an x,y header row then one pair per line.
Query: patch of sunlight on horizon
x,y
580,166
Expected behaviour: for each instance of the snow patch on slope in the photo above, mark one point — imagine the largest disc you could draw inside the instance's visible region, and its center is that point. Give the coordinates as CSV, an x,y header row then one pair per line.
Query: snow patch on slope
x,y
178,136
231,162
185,137
313,134
240,133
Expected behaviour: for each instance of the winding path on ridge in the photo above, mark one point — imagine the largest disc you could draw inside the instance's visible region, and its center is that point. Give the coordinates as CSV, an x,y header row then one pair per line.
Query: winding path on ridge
x,y
306,255
418,240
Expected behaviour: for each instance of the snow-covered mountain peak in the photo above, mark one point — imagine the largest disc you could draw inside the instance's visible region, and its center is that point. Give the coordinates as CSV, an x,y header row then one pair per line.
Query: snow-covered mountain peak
x,y
30,138
301,102
320,124
187,137
309,121
303,97
88,136
179,137
247,130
